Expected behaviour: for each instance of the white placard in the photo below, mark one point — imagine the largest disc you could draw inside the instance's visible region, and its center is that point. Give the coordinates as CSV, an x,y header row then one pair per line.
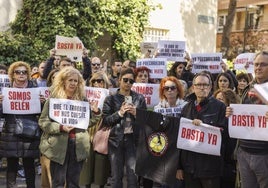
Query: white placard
x,y
171,50
157,66
4,81
207,61
71,47
45,92
245,62
21,101
97,94
174,111
248,122
204,138
149,91
70,112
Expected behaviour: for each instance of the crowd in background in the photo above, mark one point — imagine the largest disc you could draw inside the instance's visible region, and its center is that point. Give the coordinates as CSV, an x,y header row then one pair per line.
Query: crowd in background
x,y
203,97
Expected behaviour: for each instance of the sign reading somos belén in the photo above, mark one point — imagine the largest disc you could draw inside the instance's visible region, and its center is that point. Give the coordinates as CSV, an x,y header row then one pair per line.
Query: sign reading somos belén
x,y
248,122
204,138
21,101
95,94
70,112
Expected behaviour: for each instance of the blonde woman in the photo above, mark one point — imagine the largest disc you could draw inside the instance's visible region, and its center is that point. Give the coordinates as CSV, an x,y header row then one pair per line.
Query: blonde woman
x,y
66,146
96,167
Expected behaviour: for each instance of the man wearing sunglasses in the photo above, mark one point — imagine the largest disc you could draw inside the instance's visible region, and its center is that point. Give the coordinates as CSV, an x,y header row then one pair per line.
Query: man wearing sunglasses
x,y
119,111
95,64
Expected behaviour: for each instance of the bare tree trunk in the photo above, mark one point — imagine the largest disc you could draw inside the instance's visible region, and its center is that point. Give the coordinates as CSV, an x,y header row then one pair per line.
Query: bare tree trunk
x,y
225,43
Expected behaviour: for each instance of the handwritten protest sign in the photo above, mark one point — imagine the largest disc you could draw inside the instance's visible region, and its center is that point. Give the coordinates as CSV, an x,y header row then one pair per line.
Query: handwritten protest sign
x,y
157,66
4,81
207,61
204,138
149,91
70,47
97,94
171,50
21,101
70,112
248,122
244,62
175,111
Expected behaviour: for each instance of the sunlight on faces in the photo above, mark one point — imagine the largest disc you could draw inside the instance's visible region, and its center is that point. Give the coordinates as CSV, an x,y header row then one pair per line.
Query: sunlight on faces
x,y
223,82
170,90
201,87
142,77
261,68
20,74
71,84
126,85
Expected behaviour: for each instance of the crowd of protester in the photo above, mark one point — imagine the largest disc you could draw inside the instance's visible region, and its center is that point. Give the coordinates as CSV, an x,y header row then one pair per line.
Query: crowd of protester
x,y
203,98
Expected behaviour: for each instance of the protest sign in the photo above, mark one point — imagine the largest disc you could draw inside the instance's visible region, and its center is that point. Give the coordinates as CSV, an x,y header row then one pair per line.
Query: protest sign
x,y
262,91
171,50
174,111
245,62
44,91
207,61
148,49
248,122
96,94
21,101
204,138
70,112
70,47
157,66
4,81
149,91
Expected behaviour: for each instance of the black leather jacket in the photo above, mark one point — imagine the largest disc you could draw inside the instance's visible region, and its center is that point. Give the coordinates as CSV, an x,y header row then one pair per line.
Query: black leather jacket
x,y
111,117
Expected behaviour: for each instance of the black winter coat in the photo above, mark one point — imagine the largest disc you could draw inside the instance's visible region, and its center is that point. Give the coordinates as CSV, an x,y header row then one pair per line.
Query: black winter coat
x,y
202,165
10,144
111,117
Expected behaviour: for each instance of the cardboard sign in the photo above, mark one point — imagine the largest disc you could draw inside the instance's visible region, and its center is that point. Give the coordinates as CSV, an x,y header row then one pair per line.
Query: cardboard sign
x,y
149,91
204,138
245,62
248,122
97,94
70,112
70,47
4,81
157,66
148,48
21,101
171,50
207,61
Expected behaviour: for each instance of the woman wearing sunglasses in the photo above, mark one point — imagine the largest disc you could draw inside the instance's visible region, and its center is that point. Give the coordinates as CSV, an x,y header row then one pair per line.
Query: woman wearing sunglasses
x,y
96,167
119,111
14,147
171,93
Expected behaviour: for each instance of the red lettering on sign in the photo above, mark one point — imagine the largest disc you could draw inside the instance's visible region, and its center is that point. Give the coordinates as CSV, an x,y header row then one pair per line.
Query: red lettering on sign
x,y
243,120
262,121
212,139
19,95
192,134
19,105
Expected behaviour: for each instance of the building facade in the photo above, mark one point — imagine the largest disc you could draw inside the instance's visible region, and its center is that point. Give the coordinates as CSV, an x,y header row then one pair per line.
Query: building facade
x,y
250,27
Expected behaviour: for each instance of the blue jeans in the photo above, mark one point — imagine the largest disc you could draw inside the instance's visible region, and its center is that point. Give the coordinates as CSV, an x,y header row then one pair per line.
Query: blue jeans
x,y
253,169
124,154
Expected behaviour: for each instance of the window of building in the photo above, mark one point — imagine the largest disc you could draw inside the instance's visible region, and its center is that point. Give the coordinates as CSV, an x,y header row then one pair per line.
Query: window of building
x,y
155,34
221,22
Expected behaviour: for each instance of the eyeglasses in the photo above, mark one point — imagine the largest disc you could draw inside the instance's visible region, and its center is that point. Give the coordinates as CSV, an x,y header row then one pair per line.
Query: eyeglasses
x,y
262,64
205,86
167,88
129,80
97,80
24,72
95,64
